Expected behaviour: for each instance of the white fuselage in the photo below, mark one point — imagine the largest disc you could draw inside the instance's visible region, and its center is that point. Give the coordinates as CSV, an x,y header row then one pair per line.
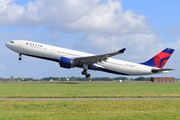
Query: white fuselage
x,y
53,53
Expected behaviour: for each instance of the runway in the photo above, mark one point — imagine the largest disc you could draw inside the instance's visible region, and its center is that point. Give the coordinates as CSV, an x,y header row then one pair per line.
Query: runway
x,y
89,98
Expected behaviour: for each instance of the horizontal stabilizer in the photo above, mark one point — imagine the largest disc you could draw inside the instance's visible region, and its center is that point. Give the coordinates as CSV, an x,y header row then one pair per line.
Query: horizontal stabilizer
x,y
160,70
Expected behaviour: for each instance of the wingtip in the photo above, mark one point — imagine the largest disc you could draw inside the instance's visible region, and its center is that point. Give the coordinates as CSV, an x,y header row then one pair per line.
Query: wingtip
x,y
122,50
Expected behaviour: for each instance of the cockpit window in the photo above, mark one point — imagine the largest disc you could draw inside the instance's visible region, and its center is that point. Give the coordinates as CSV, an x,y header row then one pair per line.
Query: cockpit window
x,y
12,41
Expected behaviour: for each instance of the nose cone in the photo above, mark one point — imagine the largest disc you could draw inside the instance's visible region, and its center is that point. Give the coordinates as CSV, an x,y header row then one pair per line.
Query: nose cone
x,y
10,45
7,45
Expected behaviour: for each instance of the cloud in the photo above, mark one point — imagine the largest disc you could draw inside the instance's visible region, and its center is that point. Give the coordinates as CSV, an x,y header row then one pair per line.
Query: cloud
x,y
3,3
75,16
45,12
110,18
105,26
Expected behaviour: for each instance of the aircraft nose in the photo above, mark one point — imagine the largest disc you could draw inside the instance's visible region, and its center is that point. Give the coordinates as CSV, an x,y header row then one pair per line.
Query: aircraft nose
x,y
7,45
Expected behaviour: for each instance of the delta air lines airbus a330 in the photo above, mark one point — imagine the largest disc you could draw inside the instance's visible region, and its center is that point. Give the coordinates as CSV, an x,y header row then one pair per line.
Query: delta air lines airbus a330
x,y
70,58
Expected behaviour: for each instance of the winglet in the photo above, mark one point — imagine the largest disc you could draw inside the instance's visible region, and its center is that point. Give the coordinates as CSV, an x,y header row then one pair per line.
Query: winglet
x,y
122,50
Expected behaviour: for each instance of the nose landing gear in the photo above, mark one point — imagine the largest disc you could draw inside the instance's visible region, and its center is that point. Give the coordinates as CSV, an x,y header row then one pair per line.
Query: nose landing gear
x,y
19,57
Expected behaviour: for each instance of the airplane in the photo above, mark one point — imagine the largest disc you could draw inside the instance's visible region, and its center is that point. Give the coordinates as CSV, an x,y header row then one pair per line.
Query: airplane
x,y
70,59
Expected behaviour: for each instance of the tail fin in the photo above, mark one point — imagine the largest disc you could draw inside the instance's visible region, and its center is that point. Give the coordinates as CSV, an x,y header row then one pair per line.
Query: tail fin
x,y
160,59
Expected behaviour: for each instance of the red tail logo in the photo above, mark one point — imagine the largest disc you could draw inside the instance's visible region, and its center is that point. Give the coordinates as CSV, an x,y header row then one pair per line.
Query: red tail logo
x,y
161,59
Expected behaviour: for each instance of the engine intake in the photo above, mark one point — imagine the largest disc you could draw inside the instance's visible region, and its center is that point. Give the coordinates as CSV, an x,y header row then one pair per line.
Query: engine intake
x,y
65,62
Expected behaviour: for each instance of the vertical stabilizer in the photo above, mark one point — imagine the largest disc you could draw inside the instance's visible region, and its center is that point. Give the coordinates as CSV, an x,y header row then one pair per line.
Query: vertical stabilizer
x,y
160,59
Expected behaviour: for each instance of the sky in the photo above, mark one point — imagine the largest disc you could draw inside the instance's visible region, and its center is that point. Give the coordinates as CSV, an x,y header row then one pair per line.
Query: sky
x,y
144,28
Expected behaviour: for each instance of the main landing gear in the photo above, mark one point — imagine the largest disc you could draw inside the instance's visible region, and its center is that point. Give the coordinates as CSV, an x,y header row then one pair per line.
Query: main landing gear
x,y
19,57
84,72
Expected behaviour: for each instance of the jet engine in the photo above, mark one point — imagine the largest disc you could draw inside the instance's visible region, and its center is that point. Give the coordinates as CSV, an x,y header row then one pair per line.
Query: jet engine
x,y
65,62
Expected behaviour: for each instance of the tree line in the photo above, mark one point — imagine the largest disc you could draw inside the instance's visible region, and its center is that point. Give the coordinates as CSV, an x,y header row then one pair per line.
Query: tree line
x,y
73,78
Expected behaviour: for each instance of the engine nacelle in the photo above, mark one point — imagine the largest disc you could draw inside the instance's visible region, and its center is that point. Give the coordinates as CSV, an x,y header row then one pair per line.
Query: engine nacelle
x,y
65,62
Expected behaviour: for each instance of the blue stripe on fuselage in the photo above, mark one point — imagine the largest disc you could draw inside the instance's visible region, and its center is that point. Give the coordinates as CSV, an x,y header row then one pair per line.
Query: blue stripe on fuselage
x,y
105,70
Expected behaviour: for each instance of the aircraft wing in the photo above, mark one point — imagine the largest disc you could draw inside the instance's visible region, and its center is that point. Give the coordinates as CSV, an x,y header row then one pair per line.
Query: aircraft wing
x,y
96,58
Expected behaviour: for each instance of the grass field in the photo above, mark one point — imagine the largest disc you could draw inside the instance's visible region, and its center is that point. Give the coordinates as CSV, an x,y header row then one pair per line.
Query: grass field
x,y
88,90
90,110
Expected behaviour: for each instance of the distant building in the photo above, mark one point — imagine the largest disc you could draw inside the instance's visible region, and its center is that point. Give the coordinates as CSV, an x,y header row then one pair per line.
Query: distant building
x,y
120,80
162,79
51,80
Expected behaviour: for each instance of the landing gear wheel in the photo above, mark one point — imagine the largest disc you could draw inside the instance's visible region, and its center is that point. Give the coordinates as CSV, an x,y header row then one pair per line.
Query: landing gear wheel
x,y
88,75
